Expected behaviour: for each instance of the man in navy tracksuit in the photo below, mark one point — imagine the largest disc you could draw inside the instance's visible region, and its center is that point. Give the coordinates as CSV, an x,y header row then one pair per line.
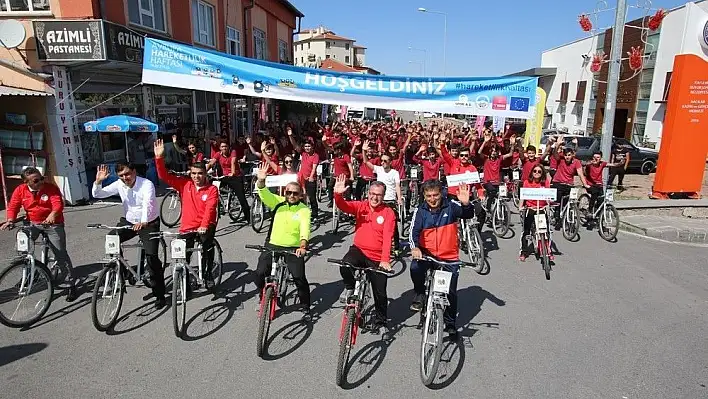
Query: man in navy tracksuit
x,y
434,232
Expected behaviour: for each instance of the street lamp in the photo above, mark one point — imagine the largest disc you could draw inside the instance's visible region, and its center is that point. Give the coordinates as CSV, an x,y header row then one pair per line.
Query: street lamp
x,y
419,65
425,55
421,9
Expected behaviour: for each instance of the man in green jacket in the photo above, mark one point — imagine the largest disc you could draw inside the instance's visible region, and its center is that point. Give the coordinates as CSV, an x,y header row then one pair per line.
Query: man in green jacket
x,y
290,230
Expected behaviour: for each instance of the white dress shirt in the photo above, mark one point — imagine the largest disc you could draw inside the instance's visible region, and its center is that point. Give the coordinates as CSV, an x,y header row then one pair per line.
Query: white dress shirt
x,y
139,202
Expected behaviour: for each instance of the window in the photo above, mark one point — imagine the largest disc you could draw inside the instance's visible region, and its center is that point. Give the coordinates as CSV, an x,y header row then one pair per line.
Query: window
x,y
302,60
652,43
584,143
24,5
578,111
147,13
580,92
667,86
564,92
561,111
644,90
233,41
327,56
308,45
259,44
346,46
328,44
601,41
283,51
203,22
346,59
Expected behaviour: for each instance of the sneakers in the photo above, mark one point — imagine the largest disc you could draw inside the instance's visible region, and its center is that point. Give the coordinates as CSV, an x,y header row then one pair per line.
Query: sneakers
x,y
551,257
522,258
160,302
451,331
345,295
306,313
417,303
378,322
208,279
71,294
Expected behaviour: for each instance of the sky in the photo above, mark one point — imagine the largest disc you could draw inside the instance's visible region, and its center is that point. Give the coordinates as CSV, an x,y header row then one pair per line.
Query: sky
x,y
484,38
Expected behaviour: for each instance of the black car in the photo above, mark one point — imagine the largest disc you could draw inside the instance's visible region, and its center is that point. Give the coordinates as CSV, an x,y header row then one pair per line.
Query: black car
x,y
642,160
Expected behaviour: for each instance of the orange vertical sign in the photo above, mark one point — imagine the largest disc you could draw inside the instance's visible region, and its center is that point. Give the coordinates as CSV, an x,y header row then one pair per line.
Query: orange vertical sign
x,y
684,142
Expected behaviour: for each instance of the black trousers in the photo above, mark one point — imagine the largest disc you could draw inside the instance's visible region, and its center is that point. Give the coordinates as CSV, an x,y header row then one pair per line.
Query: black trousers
x,y
296,266
151,247
359,193
492,190
527,219
236,184
396,234
378,281
207,241
595,192
616,171
311,190
563,192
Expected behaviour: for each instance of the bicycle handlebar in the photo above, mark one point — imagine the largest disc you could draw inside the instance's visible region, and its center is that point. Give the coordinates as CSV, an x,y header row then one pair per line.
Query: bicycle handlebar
x,y
460,263
349,265
105,227
262,248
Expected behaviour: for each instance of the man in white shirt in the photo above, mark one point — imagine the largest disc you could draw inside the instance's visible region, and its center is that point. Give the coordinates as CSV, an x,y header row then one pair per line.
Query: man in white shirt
x,y
140,211
391,178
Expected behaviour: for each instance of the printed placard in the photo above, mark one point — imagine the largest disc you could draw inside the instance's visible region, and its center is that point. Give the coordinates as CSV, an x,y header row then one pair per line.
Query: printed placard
x,y
515,175
280,180
538,194
502,191
609,195
22,242
178,249
463,178
414,173
441,281
541,223
112,246
574,193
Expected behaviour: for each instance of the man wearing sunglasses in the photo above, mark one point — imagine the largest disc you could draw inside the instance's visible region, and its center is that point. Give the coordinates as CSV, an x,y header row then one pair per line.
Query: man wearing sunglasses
x,y
199,199
139,211
290,230
44,207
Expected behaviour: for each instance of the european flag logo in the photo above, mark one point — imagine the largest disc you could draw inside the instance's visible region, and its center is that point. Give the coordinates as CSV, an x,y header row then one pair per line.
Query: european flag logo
x,y
519,104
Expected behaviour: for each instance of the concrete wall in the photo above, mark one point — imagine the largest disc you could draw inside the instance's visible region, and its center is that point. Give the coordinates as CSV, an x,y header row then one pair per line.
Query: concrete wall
x,y
338,51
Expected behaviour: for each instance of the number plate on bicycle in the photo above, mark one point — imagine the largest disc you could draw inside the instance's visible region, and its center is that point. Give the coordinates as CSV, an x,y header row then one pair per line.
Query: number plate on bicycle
x,y
441,281
217,183
609,195
178,249
574,193
515,175
319,170
22,242
414,173
112,246
502,191
541,223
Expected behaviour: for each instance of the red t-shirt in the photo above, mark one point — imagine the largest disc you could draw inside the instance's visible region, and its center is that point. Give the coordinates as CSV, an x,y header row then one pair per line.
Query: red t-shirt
x,y
594,173
430,169
527,167
492,170
553,162
365,171
399,165
340,165
38,205
225,163
373,233
198,157
307,164
566,172
198,204
273,158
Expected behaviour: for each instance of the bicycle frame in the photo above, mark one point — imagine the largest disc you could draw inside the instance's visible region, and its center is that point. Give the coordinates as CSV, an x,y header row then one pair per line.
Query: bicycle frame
x,y
277,274
361,284
25,247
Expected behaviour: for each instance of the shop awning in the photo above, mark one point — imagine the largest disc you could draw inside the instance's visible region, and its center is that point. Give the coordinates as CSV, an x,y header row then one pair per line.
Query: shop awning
x,y
13,91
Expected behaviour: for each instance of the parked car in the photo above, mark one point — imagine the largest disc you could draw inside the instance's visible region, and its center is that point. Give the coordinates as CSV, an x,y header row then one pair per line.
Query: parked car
x,y
642,160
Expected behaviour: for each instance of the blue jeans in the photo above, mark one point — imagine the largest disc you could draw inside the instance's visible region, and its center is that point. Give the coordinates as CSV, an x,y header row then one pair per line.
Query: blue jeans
x,y
418,273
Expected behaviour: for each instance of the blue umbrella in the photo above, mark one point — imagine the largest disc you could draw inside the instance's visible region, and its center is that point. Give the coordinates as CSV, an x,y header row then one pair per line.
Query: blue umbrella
x,y
121,124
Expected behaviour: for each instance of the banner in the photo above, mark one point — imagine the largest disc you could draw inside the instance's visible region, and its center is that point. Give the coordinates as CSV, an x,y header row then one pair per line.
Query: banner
x,y
178,65
479,123
498,123
534,126
323,115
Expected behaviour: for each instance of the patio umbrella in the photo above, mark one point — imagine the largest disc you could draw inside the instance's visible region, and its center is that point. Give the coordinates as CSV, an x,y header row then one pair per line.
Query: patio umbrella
x,y
121,124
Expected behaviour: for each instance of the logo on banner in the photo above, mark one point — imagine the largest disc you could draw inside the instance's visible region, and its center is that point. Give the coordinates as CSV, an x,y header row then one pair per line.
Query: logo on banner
x,y
499,102
482,102
519,104
463,101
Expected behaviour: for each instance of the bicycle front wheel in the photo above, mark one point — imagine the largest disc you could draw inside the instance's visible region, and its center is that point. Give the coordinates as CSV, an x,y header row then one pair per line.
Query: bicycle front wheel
x,y
179,300
335,218
217,265
25,293
571,222
257,215
264,321
234,210
171,209
608,225
545,259
431,345
107,298
345,344
501,219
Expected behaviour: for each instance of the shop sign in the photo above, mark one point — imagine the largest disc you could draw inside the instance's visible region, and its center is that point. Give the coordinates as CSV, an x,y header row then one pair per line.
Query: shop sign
x,y
123,44
225,117
64,40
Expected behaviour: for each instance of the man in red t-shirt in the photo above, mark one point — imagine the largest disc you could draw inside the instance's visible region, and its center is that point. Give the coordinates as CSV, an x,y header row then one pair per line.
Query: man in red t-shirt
x,y
309,160
373,235
366,174
341,165
564,178
492,169
233,177
593,176
44,208
199,200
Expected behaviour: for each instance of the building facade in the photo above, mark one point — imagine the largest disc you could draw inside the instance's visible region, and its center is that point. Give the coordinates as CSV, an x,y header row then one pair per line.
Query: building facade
x,y
313,46
576,96
80,60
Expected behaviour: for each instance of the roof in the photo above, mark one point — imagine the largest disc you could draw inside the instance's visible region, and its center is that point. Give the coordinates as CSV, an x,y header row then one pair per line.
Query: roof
x,y
326,36
13,91
337,66
366,68
291,8
536,72
358,46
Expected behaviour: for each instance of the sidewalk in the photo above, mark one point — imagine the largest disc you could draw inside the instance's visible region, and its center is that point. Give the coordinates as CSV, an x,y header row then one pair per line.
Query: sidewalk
x,y
668,228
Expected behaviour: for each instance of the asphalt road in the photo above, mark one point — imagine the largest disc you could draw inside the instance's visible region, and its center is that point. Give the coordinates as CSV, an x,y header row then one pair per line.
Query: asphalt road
x,y
624,320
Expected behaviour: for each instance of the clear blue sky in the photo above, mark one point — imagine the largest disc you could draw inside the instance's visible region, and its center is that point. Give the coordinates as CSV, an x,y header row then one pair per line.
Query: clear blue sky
x,y
484,37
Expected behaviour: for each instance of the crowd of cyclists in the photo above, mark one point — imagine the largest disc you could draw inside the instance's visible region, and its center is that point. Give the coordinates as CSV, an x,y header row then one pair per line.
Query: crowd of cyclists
x,y
372,171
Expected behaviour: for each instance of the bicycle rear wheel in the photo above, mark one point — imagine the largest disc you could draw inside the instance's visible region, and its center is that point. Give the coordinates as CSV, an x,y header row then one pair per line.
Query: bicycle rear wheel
x,y
431,345
608,225
107,298
345,344
515,199
257,215
545,260
571,222
234,210
335,218
264,321
217,265
584,208
474,248
171,209
500,218
24,296
179,300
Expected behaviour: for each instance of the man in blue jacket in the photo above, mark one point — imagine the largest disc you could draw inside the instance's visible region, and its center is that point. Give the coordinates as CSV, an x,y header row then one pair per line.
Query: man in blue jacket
x,y
434,232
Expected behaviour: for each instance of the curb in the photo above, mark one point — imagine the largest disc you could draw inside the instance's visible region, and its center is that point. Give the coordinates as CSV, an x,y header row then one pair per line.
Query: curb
x,y
669,235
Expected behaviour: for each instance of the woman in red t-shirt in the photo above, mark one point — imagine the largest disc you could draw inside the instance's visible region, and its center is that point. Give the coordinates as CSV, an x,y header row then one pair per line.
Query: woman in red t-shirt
x,y
537,179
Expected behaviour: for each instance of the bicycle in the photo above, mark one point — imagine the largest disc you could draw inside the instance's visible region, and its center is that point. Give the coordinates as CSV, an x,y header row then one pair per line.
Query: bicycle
x,y
274,293
542,235
471,243
437,287
228,203
352,317
501,215
258,210
322,179
512,187
26,278
182,272
569,219
413,173
110,283
605,213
